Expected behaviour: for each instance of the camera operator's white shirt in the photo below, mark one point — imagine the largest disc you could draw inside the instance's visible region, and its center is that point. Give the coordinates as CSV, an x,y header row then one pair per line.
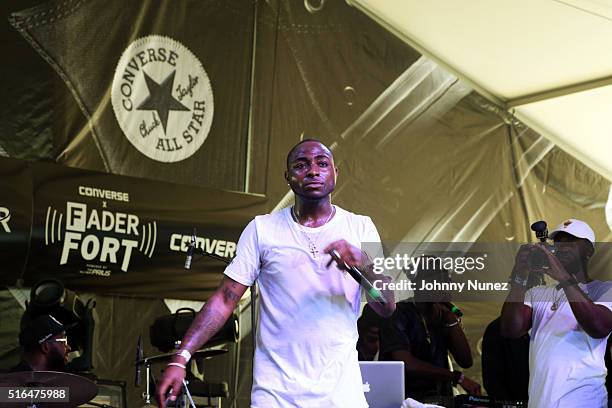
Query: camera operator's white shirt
x,y
566,365
306,340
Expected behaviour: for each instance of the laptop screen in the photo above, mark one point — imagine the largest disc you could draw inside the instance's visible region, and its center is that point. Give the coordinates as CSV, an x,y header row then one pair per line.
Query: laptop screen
x,y
383,383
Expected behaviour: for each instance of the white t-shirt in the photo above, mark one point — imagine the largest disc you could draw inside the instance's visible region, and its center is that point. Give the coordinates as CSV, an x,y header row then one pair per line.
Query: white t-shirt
x,y
566,365
305,354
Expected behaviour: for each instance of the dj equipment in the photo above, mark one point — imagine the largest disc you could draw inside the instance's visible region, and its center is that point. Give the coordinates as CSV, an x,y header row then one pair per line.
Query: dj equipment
x,y
473,401
383,383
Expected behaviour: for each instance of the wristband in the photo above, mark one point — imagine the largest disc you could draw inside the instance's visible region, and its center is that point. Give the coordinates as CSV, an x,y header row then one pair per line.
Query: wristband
x,y
520,281
568,282
177,365
185,354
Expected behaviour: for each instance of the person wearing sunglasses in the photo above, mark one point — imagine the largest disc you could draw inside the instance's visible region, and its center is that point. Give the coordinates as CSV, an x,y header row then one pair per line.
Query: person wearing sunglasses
x,y
45,345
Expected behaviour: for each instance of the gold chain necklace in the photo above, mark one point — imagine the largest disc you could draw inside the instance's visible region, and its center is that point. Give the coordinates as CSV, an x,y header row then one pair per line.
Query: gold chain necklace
x,y
312,246
427,334
556,302
559,302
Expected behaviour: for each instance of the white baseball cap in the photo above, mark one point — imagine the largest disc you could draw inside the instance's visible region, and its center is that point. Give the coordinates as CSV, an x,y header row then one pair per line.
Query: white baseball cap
x,y
577,228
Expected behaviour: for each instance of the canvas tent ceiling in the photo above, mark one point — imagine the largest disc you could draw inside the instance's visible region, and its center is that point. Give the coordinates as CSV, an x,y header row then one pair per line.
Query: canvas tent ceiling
x,y
546,61
419,151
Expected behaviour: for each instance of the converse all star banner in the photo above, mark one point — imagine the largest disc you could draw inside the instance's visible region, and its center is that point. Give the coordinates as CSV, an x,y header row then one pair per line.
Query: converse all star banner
x,y
163,88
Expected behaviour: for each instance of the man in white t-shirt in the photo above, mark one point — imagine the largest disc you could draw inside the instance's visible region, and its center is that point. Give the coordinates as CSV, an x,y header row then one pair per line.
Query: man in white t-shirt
x,y
305,354
569,321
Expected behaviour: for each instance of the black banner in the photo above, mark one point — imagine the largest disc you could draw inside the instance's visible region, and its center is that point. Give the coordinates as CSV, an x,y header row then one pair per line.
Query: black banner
x,y
120,235
15,218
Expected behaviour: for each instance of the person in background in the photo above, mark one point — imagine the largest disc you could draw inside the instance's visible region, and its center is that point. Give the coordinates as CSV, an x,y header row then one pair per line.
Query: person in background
x,y
421,332
45,346
368,330
505,364
569,321
505,361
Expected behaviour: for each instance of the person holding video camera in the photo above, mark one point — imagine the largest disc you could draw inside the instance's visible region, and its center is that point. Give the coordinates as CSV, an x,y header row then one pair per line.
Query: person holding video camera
x,y
570,320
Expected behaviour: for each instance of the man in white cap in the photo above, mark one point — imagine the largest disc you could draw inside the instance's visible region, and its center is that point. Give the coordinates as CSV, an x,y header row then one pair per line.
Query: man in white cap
x,y
569,320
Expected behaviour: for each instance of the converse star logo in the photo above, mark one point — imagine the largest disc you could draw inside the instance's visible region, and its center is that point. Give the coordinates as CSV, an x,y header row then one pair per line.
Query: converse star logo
x,y
162,98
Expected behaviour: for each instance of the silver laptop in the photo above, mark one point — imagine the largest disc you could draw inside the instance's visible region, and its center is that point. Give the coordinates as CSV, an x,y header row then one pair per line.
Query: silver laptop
x,y
383,383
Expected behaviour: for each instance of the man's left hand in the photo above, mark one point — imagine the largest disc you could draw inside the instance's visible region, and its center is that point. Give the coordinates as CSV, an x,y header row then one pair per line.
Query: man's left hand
x,y
350,254
556,270
471,386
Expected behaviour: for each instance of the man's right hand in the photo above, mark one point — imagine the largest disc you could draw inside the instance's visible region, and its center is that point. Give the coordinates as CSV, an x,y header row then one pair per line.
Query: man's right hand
x,y
470,386
207,322
170,384
516,316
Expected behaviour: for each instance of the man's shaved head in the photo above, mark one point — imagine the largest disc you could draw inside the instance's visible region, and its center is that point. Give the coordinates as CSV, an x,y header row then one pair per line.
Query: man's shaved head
x,y
292,150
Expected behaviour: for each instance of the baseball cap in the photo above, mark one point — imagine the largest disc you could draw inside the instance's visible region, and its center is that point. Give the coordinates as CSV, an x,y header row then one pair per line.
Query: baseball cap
x,y
40,329
577,228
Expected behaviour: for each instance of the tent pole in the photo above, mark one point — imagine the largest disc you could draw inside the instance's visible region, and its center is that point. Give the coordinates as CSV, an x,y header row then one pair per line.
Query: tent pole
x,y
249,147
557,92
515,176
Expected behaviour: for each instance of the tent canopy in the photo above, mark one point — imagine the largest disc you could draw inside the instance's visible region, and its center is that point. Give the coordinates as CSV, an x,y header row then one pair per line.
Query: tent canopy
x,y
546,61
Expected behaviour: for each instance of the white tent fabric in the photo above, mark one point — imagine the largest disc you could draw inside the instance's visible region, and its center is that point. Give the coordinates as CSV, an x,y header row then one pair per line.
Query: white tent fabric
x,y
546,61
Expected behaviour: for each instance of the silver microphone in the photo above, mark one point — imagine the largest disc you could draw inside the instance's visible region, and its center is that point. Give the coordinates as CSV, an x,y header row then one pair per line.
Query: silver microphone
x,y
361,280
139,356
190,250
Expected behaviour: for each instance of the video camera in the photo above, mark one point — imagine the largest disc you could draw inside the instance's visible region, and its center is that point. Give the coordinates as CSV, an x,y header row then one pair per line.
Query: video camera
x,y
538,260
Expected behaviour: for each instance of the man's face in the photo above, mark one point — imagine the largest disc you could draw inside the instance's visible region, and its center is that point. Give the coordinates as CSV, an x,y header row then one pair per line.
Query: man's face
x,y
572,252
311,173
57,352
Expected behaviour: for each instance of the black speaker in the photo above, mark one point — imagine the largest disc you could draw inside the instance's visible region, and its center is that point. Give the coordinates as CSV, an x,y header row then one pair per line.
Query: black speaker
x,y
50,297
168,329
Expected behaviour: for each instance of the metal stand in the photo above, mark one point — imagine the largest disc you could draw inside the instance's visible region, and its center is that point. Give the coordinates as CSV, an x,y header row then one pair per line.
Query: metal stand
x,y
188,394
146,395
